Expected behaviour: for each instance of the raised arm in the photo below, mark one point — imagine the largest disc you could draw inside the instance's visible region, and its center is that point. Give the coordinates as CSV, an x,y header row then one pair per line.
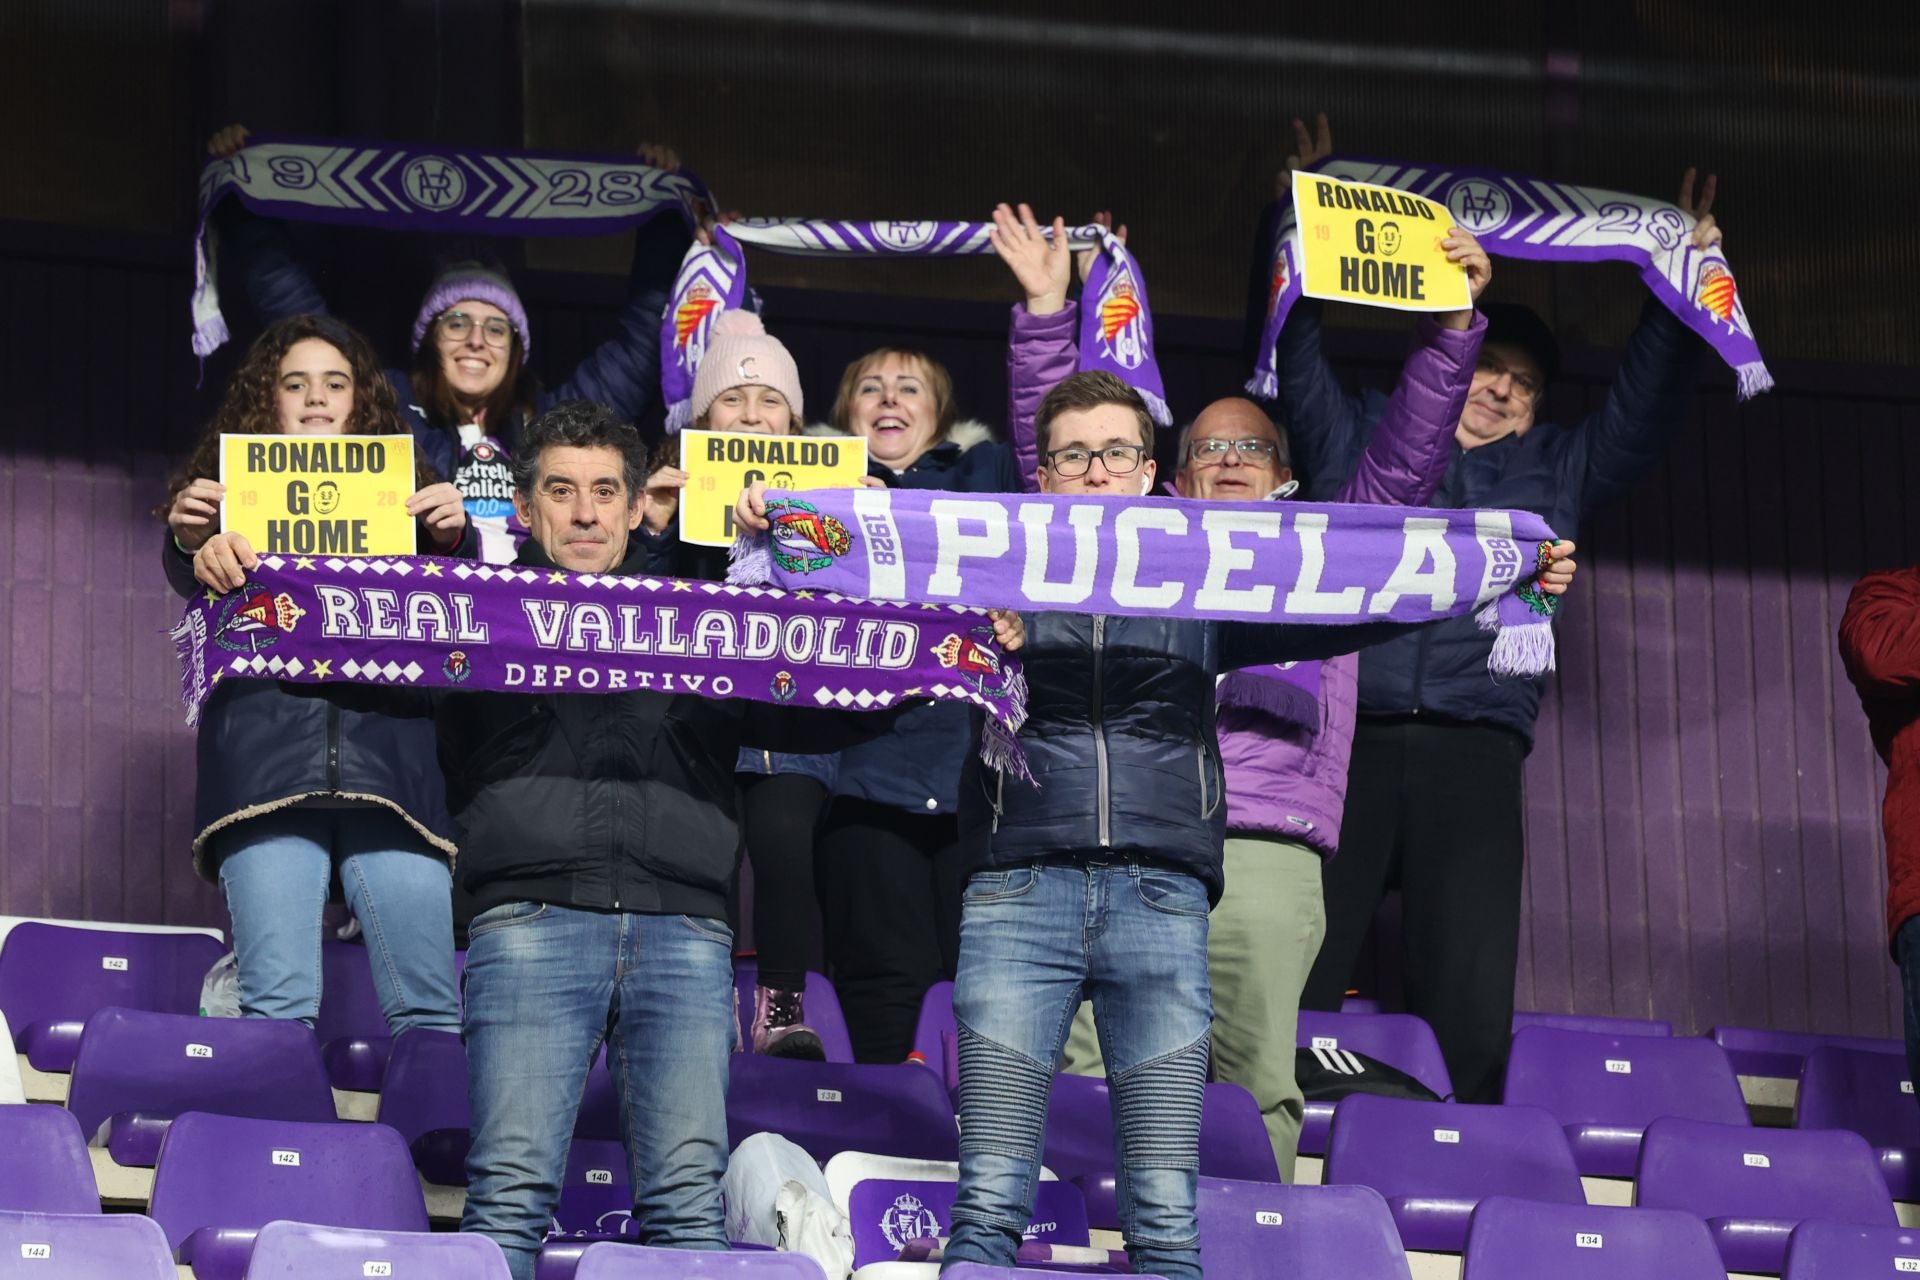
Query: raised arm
x,y
1653,389
1041,341
1880,636
258,252
1409,452
623,373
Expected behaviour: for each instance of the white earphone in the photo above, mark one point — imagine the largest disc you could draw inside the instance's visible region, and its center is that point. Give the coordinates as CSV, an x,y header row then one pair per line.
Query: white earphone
x,y
1146,484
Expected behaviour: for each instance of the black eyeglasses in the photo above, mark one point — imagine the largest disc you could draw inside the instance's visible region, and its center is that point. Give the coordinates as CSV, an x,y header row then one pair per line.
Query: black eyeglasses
x,y
493,330
1118,459
1252,451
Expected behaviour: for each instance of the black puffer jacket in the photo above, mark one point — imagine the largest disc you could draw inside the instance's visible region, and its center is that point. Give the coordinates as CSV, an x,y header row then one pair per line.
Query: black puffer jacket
x,y
1120,738
610,801
261,748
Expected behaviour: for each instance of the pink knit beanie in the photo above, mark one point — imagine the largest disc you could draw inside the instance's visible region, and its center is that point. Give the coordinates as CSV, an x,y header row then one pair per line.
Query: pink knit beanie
x,y
740,352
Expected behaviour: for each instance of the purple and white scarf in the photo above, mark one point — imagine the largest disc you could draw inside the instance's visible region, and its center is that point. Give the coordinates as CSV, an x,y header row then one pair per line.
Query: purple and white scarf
x,y
1519,217
1323,565
1116,324
425,622
418,187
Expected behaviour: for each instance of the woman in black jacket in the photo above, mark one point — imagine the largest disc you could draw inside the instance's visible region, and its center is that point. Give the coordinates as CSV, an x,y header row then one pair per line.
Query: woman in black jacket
x,y
293,790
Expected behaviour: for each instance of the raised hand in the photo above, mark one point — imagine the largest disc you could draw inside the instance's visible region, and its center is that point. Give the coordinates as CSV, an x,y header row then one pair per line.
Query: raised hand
x,y
1039,264
663,497
1083,259
441,508
1558,576
1462,248
1706,232
665,159
227,141
1309,149
195,512
1008,629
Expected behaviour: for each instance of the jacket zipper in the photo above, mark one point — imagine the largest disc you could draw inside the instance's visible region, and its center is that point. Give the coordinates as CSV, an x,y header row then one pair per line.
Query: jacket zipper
x,y
1100,728
613,842
333,747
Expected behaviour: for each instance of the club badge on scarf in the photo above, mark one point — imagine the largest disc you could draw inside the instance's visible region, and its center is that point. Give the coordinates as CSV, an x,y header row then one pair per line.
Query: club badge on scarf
x,y
1319,565
712,280
413,187
419,622
1520,217
1116,325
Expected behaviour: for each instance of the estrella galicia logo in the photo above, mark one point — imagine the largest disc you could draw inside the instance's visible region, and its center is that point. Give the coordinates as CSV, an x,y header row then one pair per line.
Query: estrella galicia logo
x,y
433,182
908,1219
457,667
254,619
784,686
803,539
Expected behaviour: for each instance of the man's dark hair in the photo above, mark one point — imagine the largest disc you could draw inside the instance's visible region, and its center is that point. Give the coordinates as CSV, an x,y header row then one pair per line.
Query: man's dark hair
x,y
1089,390
1522,327
580,424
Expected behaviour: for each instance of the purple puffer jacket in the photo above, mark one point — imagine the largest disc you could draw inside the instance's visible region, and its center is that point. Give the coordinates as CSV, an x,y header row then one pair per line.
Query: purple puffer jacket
x,y
1283,780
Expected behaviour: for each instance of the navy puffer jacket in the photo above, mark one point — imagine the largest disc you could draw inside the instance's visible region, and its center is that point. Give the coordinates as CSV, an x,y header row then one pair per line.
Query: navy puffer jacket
x,y
1120,738
261,749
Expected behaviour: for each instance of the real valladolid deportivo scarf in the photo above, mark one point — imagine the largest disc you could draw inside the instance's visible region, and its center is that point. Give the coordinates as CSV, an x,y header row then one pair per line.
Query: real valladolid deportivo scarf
x,y
1518,217
428,623
1323,565
417,187
1116,324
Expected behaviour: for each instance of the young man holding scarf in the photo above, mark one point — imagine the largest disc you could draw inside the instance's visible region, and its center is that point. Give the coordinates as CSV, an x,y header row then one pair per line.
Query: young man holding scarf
x,y
1097,881
1284,734
1433,802
598,835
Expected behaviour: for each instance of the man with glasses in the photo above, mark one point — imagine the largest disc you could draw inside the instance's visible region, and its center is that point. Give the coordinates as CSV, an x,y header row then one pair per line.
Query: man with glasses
x,y
1433,805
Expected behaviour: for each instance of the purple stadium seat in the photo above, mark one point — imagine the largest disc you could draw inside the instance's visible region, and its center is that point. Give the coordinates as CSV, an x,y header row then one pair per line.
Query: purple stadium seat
x,y
596,1198
823,1010
351,1027
1778,1054
886,1213
1753,1186
10,1086
980,1271
1841,1251
936,1036
639,1262
74,1246
829,1107
136,1071
1265,1229
53,976
222,1178
1360,1004
1079,1143
1434,1161
1872,1095
1398,1039
599,1117
425,1099
1593,1022
1605,1089
57,1176
1513,1239
297,1249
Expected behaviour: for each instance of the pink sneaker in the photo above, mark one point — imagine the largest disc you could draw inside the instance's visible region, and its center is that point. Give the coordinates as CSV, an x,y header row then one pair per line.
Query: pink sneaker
x,y
779,1026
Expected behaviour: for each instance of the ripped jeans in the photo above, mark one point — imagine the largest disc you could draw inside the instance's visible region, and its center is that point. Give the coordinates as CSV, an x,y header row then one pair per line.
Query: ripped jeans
x,y
1133,938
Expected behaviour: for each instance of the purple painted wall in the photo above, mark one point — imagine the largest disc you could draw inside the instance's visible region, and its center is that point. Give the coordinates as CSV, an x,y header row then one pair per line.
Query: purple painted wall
x,y
1702,804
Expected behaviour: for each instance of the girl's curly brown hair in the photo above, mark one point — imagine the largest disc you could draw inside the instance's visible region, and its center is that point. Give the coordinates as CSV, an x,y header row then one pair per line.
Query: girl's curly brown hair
x,y
249,409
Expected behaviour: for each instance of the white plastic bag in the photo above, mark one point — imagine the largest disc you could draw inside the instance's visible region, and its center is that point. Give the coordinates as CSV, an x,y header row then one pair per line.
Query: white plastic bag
x,y
220,989
776,1195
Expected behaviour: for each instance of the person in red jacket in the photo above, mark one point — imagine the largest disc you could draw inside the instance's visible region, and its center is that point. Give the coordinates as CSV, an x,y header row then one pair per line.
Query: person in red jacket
x,y
1880,644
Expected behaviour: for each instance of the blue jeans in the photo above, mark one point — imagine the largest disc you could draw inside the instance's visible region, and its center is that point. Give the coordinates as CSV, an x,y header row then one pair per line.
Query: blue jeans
x,y
1032,940
545,986
275,870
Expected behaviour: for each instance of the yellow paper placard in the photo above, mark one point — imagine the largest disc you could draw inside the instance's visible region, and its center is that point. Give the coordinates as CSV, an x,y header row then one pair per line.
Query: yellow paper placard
x,y
1375,246
319,495
719,464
